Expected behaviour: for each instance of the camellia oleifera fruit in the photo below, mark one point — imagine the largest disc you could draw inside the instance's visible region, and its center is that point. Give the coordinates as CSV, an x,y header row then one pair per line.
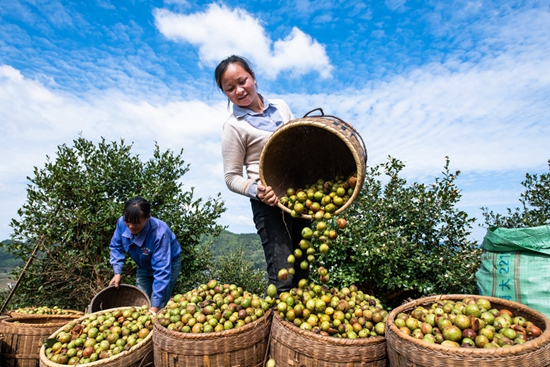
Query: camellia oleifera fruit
x,y
43,310
345,313
469,323
321,198
214,307
100,335
317,239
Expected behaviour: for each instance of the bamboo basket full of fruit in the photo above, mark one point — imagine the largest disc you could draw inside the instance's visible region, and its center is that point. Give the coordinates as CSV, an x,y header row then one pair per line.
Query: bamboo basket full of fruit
x,y
117,337
467,330
43,311
213,325
317,155
317,326
21,337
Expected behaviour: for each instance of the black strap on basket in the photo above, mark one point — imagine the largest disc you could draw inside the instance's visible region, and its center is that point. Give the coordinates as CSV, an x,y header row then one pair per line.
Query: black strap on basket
x,y
343,125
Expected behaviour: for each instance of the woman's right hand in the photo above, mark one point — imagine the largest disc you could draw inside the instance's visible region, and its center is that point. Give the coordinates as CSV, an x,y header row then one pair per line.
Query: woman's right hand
x,y
115,281
267,195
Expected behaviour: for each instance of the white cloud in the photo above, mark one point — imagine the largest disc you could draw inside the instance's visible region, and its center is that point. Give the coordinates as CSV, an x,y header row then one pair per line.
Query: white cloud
x,y
35,120
395,4
489,115
220,32
486,117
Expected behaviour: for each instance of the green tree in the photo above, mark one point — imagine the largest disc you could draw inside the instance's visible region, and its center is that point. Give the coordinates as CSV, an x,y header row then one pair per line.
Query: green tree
x,y
71,211
535,205
404,240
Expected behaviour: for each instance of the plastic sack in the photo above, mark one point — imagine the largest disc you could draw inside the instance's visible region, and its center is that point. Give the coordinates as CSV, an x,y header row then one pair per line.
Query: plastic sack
x,y
515,265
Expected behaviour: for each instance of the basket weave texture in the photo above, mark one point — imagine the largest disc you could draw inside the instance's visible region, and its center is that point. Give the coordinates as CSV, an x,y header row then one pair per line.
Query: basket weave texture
x,y
242,347
406,351
306,149
291,346
21,337
125,295
140,355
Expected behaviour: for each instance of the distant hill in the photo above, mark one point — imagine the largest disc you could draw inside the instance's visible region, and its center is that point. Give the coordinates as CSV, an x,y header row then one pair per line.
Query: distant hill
x,y
7,260
249,242
7,263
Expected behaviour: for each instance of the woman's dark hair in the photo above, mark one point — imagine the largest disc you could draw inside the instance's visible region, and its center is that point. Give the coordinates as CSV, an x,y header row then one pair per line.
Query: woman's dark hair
x,y
222,67
135,209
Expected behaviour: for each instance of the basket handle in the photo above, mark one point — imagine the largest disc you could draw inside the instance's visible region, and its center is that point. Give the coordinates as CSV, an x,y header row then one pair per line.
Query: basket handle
x,y
344,127
315,109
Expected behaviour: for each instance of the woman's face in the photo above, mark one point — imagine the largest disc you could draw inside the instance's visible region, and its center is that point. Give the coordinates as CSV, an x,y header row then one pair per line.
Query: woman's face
x,y
135,228
239,86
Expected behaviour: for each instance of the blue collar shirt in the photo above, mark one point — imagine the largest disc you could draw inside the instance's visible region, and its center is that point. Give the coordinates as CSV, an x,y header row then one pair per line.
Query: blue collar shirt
x,y
268,120
153,249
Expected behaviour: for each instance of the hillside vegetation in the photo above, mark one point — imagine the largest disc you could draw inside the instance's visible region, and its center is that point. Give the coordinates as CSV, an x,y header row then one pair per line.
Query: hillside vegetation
x,y
250,244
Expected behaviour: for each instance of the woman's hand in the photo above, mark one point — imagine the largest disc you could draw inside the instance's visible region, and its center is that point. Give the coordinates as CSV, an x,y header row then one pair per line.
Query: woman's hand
x,y
116,280
267,195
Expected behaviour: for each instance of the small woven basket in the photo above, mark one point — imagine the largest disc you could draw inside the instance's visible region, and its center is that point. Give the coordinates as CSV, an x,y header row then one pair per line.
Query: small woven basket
x,y
22,337
291,346
125,295
140,355
306,149
406,351
245,346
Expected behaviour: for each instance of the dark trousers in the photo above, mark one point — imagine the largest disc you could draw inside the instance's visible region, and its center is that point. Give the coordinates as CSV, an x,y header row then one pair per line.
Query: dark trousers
x,y
280,235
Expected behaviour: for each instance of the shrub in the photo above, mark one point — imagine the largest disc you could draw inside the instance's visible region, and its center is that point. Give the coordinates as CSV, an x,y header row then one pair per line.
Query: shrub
x,y
404,240
71,211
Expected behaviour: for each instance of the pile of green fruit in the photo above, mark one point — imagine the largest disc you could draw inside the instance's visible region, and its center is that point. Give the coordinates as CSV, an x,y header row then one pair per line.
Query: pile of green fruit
x,y
320,199
345,313
43,310
213,307
100,335
469,323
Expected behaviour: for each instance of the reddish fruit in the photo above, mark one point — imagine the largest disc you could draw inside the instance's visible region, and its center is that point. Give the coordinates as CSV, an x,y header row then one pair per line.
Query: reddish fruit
x,y
533,331
341,223
506,312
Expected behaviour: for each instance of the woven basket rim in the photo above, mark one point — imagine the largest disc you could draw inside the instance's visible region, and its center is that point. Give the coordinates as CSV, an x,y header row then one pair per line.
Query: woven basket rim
x,y
203,336
108,291
147,340
22,314
328,339
544,338
18,319
315,122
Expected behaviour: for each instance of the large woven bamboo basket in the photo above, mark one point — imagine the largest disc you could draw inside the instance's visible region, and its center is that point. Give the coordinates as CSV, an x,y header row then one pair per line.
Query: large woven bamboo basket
x,y
406,351
140,355
124,296
242,347
306,149
291,346
22,338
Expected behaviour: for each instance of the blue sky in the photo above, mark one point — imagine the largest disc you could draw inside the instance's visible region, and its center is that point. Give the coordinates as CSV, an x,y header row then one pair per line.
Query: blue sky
x,y
420,80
